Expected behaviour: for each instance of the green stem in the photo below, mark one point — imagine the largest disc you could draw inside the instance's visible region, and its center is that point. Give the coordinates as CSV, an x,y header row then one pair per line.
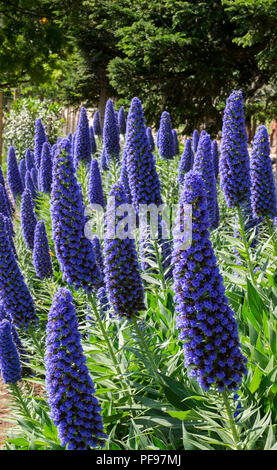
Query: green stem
x,y
145,350
109,345
231,420
271,233
36,343
16,391
105,334
160,265
246,246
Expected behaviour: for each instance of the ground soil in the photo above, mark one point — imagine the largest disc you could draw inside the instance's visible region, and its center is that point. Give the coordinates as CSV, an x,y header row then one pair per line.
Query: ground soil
x,y
4,411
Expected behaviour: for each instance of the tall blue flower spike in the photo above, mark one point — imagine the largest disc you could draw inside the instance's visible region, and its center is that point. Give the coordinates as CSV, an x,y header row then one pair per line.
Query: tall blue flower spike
x,y
71,393
205,319
74,251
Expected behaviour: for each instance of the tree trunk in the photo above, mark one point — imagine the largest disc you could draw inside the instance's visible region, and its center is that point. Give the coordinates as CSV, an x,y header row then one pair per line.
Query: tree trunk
x,y
102,105
1,125
248,129
253,130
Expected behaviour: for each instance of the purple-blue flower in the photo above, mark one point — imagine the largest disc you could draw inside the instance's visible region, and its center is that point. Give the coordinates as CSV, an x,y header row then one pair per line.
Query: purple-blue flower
x,y
41,256
82,151
122,121
22,170
203,164
5,194
28,218
111,133
166,148
71,394
9,359
29,184
143,178
103,160
195,140
122,276
14,293
97,124
10,233
93,147
45,170
234,160
29,160
150,139
205,319
215,157
95,189
124,180
26,371
263,192
4,209
74,251
13,175
40,138
186,161
176,149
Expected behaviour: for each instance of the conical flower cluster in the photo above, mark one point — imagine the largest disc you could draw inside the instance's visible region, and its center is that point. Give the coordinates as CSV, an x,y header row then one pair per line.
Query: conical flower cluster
x,y
93,147
9,359
22,170
82,151
234,161
205,319
97,124
5,194
186,162
41,255
74,251
195,140
215,157
40,138
13,175
176,148
124,180
29,160
143,178
29,184
166,146
122,121
122,277
150,139
45,170
95,189
111,133
16,297
263,192
74,408
10,233
203,164
28,219
3,202
26,371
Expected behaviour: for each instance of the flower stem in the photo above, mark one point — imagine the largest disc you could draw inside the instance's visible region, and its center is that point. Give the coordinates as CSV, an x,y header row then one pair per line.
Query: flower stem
x,y
231,420
246,246
36,343
110,347
145,350
16,391
104,333
271,233
160,266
